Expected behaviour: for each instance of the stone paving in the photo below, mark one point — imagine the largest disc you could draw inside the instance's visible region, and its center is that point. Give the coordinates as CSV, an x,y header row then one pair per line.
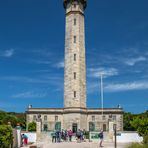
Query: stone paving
x,y
78,145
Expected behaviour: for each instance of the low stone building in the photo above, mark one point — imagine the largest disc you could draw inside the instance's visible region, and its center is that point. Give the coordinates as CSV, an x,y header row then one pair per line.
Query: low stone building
x,y
75,115
77,118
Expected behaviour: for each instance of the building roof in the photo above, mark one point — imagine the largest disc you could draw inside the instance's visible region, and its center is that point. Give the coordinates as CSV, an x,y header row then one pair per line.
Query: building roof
x,y
74,110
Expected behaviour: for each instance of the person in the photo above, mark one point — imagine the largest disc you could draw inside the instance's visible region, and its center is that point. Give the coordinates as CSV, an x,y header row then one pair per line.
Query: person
x,y
78,135
70,135
25,139
53,137
22,140
58,136
84,134
101,138
81,136
66,135
63,135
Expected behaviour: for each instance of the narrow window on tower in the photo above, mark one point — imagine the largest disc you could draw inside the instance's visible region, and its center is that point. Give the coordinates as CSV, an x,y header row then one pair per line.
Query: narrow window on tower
x,y
75,21
74,94
74,75
74,5
74,38
74,57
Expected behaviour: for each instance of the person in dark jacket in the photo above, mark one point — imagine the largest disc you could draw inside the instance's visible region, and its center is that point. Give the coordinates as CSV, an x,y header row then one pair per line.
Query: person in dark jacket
x,y
101,136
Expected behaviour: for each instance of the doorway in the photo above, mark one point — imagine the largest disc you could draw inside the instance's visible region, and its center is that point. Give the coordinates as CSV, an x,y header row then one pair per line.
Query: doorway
x,y
58,126
74,127
104,127
45,127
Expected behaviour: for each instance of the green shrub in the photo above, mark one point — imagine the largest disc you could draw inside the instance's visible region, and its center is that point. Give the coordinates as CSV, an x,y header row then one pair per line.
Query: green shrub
x,y
32,126
137,145
145,139
86,135
6,137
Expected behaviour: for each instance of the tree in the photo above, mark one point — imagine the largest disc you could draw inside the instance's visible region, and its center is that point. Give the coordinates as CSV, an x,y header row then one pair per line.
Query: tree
x,y
14,118
6,137
141,125
10,118
21,119
127,118
32,126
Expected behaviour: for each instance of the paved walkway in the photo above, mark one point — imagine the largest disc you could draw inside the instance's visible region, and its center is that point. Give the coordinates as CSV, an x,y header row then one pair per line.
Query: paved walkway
x,y
78,145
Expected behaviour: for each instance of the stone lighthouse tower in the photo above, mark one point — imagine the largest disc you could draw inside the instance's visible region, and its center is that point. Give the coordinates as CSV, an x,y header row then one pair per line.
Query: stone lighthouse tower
x,y
75,68
75,77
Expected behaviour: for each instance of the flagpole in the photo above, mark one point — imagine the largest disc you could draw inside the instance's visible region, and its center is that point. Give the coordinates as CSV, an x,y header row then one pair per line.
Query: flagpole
x,y
102,93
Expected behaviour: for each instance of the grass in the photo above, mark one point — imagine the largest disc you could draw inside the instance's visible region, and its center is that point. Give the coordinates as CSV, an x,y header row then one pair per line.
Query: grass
x,y
137,145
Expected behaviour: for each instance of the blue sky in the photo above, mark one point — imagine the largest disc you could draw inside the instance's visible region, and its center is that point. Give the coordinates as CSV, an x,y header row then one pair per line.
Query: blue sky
x,y
32,53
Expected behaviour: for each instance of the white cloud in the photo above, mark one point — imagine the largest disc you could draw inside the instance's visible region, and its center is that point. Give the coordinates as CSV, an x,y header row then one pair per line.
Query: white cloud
x,y
106,72
7,53
48,80
126,86
40,62
93,87
42,52
29,94
24,79
133,61
60,64
117,87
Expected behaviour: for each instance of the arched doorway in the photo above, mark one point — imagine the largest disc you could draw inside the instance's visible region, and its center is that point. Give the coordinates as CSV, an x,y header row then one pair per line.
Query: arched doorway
x,y
74,127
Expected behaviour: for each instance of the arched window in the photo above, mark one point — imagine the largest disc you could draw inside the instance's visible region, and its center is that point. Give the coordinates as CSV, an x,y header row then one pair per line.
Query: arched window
x,y
45,118
34,117
56,118
91,126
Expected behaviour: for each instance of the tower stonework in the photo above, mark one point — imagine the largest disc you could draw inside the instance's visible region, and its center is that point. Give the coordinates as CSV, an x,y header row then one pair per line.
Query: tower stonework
x,y
75,68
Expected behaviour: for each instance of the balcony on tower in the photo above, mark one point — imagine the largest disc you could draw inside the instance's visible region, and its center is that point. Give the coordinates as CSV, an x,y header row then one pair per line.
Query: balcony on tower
x,y
75,6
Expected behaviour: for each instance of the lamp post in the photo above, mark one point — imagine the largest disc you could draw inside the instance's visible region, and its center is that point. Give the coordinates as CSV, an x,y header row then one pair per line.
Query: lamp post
x,y
102,93
115,135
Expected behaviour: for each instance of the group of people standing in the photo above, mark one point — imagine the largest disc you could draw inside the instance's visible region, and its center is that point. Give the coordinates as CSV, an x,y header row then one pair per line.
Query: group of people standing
x,y
66,135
